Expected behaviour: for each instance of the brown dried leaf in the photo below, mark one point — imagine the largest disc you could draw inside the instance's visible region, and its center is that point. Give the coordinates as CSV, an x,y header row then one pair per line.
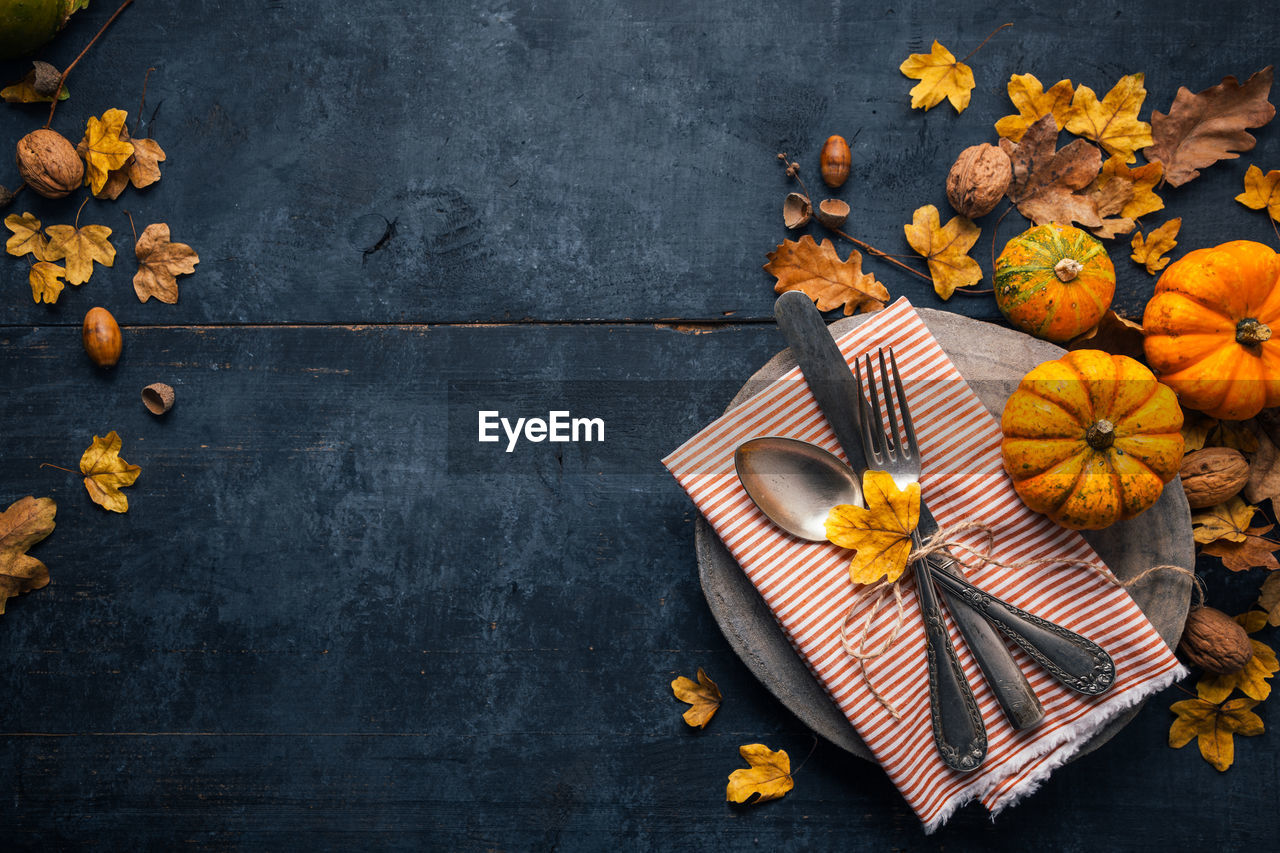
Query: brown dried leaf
x,y
22,525
1264,471
1113,334
1200,431
1142,179
946,248
1151,251
1269,599
1047,182
1255,552
703,697
817,271
1209,126
160,262
37,87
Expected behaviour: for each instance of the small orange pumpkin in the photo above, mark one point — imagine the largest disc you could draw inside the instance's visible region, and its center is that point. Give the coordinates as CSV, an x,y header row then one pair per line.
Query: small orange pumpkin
x,y
1209,326
1091,438
1054,282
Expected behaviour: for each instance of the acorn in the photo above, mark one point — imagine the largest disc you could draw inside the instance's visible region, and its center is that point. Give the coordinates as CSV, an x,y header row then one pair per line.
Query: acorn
x,y
49,164
101,336
834,161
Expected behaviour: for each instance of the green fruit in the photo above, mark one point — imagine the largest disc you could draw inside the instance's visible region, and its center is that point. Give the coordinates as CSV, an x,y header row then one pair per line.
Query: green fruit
x,y
27,24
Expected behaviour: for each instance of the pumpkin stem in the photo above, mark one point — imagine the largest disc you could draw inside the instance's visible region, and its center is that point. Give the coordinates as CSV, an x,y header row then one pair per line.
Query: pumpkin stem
x,y
1067,269
1101,435
1251,332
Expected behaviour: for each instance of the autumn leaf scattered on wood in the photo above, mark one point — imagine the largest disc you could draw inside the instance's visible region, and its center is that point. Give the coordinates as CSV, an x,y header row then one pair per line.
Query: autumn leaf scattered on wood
x,y
1255,551
37,87
1262,191
946,248
1201,129
768,778
1139,200
1034,103
1253,680
941,76
1109,199
879,533
1269,599
1264,471
1228,521
1114,334
80,247
142,169
1213,725
161,261
105,473
26,239
103,148
26,522
817,271
703,696
1112,122
1151,251
46,281
1047,182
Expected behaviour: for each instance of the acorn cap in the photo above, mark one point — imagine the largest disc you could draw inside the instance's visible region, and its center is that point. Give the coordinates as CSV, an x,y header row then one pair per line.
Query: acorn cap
x,y
833,212
796,210
158,398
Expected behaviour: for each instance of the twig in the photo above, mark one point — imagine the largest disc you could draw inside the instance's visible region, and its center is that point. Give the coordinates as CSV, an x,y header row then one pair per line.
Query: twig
x,y
806,758
63,79
985,40
138,121
872,250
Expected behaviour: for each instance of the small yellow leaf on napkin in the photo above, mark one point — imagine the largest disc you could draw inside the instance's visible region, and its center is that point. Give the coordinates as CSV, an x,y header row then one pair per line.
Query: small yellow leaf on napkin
x,y
880,533
768,778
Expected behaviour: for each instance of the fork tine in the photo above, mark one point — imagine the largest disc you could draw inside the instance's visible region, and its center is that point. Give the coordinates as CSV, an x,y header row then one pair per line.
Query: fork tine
x,y
876,430
913,446
891,406
864,416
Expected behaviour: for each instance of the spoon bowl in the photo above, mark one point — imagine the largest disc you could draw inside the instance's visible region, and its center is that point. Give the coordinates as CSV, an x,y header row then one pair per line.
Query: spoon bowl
x,y
795,483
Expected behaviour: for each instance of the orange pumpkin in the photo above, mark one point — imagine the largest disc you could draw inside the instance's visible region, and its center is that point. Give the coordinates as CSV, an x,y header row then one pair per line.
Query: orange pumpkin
x,y
1054,282
1208,329
1091,438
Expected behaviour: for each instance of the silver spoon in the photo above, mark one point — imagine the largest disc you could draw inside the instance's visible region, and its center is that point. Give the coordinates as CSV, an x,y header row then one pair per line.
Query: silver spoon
x,y
795,484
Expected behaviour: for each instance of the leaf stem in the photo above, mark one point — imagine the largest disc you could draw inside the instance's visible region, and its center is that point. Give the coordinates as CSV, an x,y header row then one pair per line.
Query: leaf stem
x,y
872,250
985,40
806,759
137,122
63,79
59,467
132,227
82,204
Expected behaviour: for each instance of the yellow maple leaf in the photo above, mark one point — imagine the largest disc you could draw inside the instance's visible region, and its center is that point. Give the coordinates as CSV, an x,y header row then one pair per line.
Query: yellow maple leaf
x,y
160,262
940,76
27,521
1033,103
1213,725
141,170
1262,191
768,778
880,533
1113,121
1142,178
26,239
45,280
817,271
1252,679
103,148
946,248
1151,250
105,473
703,696
1227,521
80,247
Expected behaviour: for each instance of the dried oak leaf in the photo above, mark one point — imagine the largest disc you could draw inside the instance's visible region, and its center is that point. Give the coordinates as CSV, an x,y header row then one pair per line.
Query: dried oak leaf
x,y
880,533
941,76
817,271
26,522
1213,725
160,262
80,247
768,778
1262,191
105,473
46,281
1264,471
1255,552
1033,103
103,148
1209,126
703,697
1228,521
1113,334
1151,251
946,248
1113,121
37,87
1047,182
26,239
1269,599
1253,680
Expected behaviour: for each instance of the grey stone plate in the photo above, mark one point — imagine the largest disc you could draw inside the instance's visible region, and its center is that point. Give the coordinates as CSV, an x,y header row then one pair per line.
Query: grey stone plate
x,y
994,360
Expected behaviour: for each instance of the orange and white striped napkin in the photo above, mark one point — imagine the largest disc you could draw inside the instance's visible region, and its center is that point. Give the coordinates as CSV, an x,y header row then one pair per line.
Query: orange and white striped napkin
x,y
807,584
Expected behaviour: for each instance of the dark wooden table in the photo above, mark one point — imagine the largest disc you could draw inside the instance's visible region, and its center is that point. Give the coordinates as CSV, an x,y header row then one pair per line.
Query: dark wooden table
x,y
329,620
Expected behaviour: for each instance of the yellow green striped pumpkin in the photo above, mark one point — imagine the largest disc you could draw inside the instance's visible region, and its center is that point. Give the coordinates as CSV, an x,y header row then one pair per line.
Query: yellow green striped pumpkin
x,y
1054,282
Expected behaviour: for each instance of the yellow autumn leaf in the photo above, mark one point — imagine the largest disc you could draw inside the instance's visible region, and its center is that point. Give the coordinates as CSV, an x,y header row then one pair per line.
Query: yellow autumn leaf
x,y
1227,521
703,696
1213,725
1033,103
1113,121
1151,251
768,778
105,473
946,248
103,149
45,280
940,76
1142,178
80,247
1262,191
26,239
160,262
880,533
1252,679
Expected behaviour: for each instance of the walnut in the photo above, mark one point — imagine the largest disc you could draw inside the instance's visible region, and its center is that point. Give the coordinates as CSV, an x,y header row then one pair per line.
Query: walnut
x,y
49,163
1212,475
978,180
1215,642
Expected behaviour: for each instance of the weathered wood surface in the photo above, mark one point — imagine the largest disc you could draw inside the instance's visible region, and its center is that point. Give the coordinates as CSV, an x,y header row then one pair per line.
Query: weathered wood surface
x,y
326,625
